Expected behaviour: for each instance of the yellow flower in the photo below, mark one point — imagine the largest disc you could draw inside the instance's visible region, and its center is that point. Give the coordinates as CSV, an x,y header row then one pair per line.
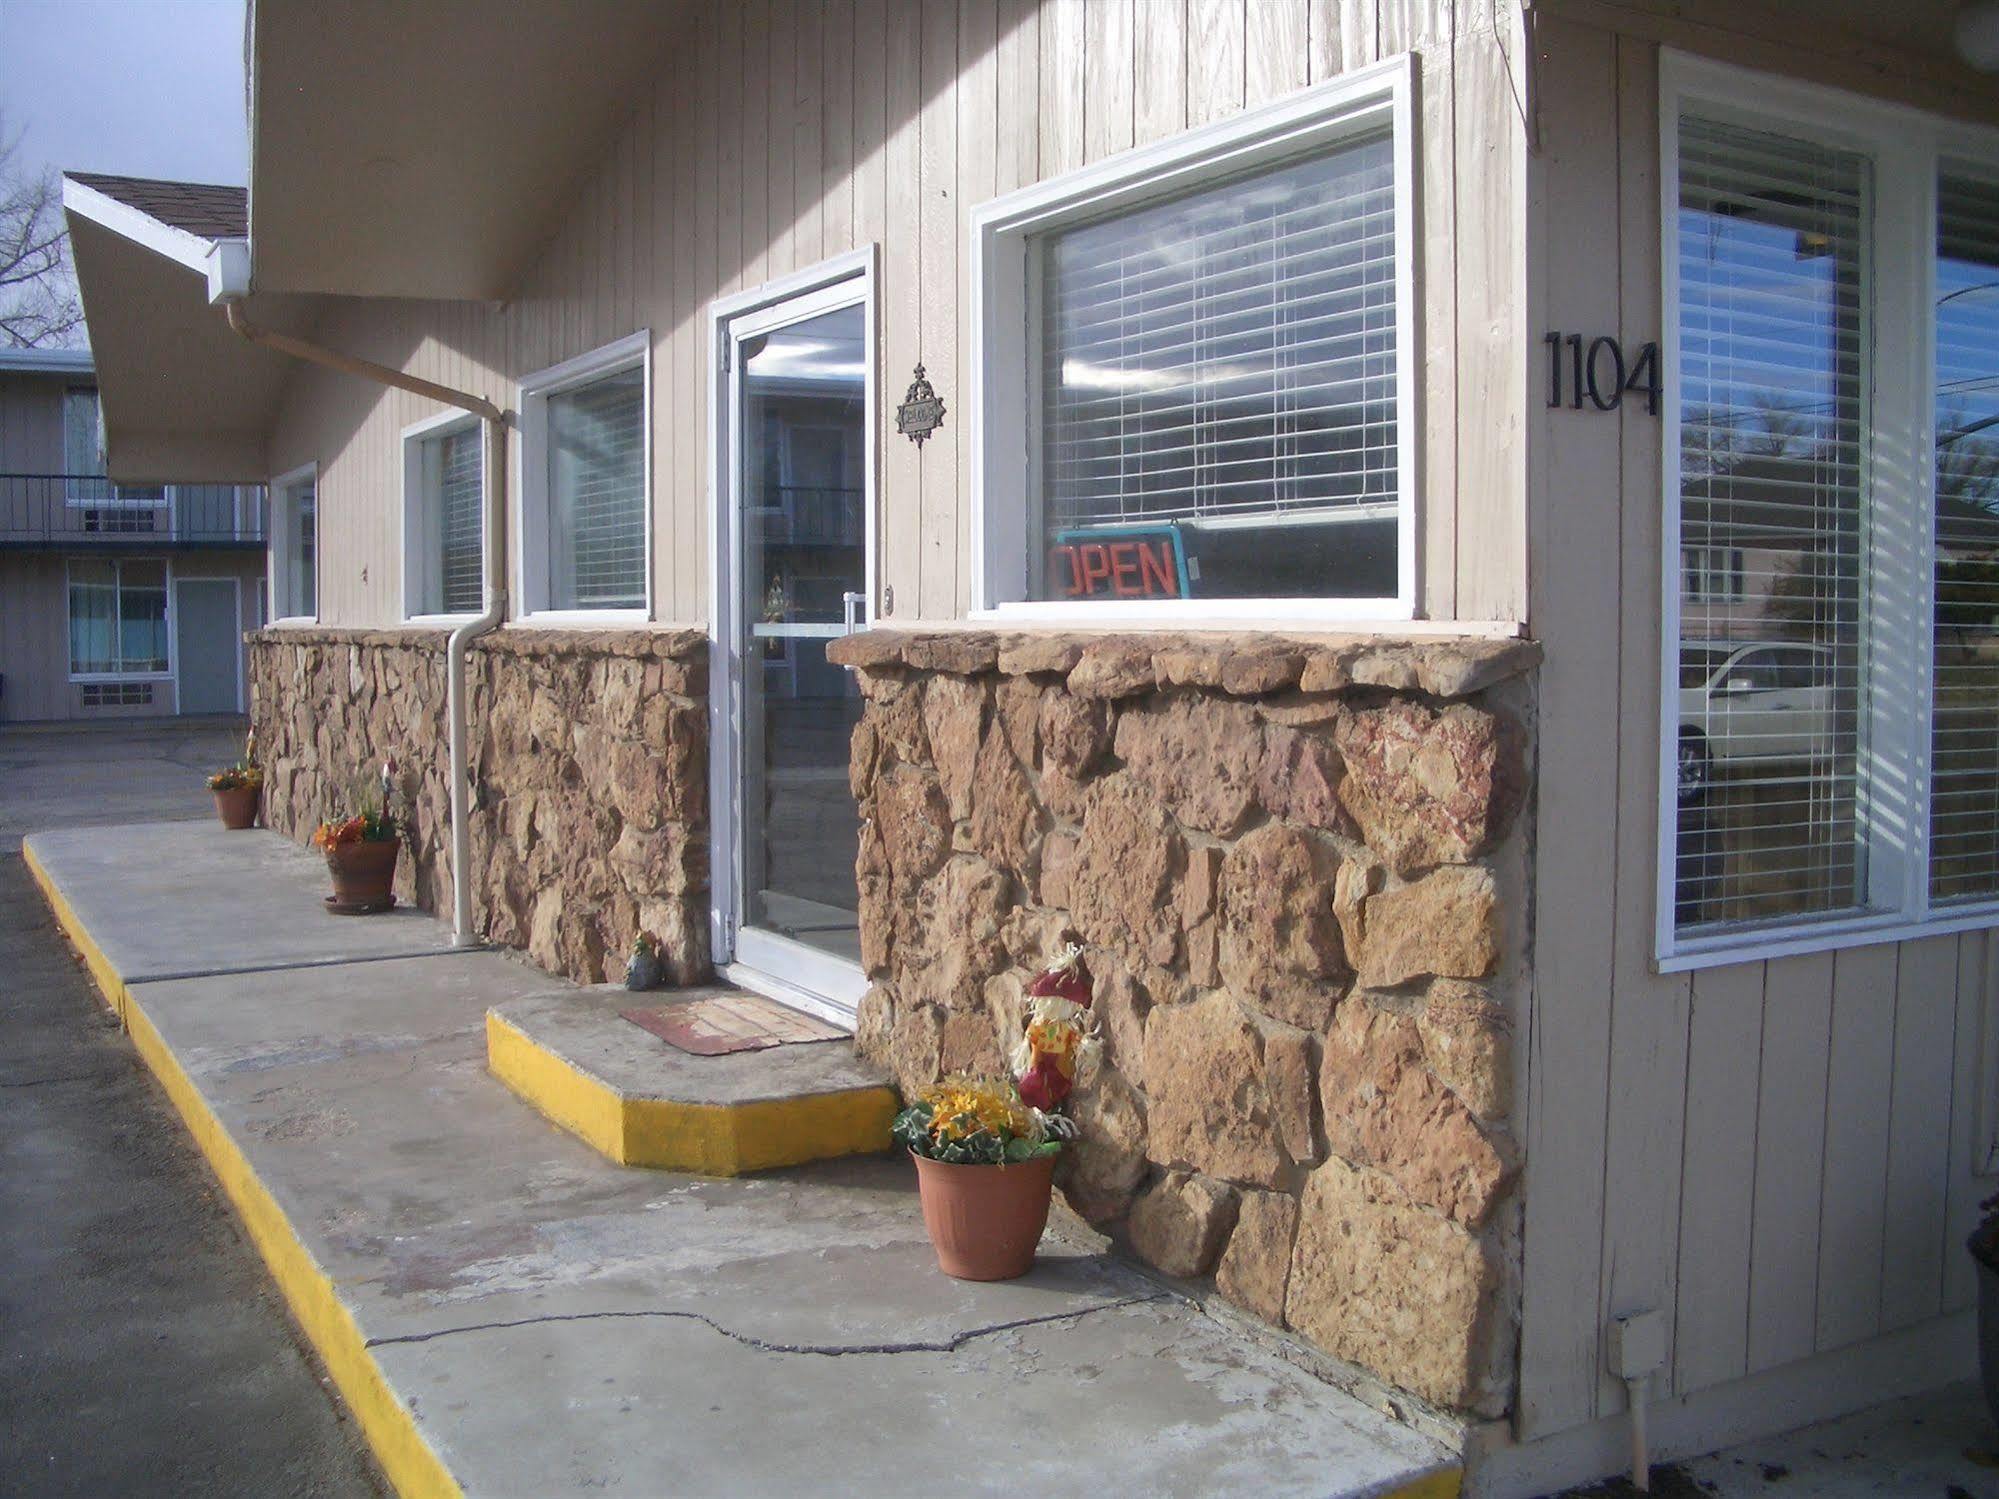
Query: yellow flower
x,y
961,1107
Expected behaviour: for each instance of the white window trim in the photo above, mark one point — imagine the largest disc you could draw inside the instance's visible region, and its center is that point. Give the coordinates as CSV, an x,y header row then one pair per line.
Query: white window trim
x,y
529,508
171,674
280,535
1001,406
1906,146
419,520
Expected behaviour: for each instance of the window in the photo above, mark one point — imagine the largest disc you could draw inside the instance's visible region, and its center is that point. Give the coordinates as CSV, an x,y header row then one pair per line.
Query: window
x,y
1195,394
584,503
1713,575
294,556
83,461
117,618
443,504
1832,739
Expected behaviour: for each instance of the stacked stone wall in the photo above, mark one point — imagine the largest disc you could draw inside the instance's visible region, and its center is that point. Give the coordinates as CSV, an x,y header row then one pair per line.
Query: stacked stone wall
x,y
1296,872
589,769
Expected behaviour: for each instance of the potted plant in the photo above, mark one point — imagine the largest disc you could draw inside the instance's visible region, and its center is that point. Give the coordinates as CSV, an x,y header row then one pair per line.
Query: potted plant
x,y
237,788
1984,1247
361,852
985,1148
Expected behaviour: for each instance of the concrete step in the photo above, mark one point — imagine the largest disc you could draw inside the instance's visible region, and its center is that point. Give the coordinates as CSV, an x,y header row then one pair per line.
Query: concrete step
x,y
645,1102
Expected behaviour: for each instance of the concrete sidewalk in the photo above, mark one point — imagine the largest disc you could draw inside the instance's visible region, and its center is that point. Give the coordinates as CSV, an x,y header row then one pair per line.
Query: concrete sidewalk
x,y
508,1313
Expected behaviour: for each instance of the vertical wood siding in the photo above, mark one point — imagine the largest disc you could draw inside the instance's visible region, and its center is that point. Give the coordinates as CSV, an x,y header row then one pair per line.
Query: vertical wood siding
x,y
783,132
1778,1155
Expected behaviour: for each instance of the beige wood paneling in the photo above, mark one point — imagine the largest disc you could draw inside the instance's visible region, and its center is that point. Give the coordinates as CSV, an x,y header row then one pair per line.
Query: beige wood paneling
x,y
782,132
1779,1156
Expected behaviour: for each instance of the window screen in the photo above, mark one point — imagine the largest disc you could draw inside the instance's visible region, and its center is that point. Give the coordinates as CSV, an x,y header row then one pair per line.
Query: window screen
x,y
596,494
1964,792
295,548
1774,392
1218,391
450,470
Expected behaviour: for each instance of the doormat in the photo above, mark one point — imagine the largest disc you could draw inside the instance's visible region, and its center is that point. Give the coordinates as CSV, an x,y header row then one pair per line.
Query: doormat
x,y
727,1023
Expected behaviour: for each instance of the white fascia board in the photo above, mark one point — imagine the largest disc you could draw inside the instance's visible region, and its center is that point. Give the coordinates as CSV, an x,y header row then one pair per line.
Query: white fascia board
x,y
46,361
122,219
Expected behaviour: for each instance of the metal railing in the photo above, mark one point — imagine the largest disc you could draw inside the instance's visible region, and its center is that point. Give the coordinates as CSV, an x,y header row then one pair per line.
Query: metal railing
x,y
83,511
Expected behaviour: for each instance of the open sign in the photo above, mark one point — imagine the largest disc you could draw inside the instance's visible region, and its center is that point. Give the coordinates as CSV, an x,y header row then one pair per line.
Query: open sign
x,y
1119,562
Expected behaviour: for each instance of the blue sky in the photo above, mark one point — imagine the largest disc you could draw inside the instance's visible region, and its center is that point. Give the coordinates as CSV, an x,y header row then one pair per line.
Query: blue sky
x,y
148,88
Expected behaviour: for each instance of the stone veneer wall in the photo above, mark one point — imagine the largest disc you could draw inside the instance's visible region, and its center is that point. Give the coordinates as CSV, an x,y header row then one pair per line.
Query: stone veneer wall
x,y
589,762
1293,866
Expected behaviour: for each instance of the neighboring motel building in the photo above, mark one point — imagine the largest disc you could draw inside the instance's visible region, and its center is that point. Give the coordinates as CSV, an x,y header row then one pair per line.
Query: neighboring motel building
x,y
1458,556
116,600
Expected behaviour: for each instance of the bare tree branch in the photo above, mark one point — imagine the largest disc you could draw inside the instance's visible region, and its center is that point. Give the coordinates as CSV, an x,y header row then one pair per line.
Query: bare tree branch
x,y
39,305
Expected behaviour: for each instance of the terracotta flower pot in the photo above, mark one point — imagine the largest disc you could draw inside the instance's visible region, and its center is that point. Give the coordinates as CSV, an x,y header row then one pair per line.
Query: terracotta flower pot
x,y
237,806
364,874
985,1221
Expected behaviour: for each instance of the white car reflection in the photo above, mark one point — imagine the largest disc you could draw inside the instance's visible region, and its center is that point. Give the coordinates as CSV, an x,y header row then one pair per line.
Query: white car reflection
x,y
1745,703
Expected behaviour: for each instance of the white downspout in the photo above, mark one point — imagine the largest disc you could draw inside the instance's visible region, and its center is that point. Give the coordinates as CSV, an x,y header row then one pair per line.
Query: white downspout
x,y
226,287
494,430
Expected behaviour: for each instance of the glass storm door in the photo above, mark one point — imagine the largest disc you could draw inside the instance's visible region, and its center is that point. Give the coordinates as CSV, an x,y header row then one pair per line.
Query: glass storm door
x,y
796,571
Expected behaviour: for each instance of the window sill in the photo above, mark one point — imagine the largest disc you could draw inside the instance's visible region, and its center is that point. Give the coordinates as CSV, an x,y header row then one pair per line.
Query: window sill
x,y
439,621
113,678
292,622
1830,936
1367,617
575,619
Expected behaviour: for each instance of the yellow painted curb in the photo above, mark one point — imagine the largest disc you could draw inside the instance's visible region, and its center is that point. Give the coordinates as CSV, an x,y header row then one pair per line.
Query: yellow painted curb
x,y
707,1139
1444,1483
406,1458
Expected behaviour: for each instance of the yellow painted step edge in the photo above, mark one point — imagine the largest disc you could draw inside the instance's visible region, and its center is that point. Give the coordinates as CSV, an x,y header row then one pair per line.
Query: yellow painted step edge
x,y
412,1468
1439,1483
708,1139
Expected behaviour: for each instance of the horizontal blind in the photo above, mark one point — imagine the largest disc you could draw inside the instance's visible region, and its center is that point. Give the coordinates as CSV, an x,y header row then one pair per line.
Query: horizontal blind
x,y
1771,249
1964,728
597,494
301,559
1228,355
460,586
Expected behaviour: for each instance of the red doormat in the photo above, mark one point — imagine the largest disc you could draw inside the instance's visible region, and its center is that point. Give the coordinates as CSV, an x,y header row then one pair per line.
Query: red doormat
x,y
730,1022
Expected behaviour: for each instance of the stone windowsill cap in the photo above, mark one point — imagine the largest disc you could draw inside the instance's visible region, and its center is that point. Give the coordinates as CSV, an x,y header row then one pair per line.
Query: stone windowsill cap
x,y
1240,663
666,642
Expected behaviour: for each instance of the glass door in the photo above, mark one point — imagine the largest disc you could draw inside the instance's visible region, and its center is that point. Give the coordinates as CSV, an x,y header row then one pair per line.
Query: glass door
x,y
797,574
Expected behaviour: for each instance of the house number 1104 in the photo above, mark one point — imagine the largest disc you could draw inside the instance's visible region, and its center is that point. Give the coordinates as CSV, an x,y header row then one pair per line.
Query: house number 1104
x,y
1597,368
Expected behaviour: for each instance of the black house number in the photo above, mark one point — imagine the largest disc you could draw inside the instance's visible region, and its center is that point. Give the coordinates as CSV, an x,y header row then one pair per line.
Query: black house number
x,y
1597,368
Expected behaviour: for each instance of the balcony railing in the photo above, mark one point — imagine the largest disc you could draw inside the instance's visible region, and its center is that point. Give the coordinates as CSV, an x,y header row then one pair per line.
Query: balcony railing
x,y
82,512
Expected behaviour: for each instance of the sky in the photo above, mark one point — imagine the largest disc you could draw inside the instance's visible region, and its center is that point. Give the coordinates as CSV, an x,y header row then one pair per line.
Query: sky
x,y
146,88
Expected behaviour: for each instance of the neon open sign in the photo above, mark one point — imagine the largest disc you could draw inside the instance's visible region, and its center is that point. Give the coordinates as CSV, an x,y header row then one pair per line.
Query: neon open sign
x,y
1134,562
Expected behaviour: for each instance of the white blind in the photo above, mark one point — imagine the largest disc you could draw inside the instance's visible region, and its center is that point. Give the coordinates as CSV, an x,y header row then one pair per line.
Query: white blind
x,y
1964,791
1227,356
461,588
1773,470
597,494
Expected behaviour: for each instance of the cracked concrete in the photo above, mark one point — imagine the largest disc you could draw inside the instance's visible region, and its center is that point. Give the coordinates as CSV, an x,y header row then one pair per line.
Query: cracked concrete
x,y
764,1345
556,1323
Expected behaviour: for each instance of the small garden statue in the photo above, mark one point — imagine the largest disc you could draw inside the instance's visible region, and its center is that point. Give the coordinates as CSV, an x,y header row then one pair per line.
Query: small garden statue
x,y
643,969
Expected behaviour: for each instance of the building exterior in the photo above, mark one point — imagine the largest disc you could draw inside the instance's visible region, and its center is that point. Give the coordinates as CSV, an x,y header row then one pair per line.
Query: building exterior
x,y
1449,545
116,600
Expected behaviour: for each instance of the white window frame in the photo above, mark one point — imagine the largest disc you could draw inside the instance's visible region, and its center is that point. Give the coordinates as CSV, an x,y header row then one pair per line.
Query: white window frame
x,y
420,518
171,674
1906,147
530,505
1006,419
280,539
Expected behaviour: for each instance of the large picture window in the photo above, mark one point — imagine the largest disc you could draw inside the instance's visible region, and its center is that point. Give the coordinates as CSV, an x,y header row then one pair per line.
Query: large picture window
x,y
118,617
1832,697
1196,395
443,504
584,509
